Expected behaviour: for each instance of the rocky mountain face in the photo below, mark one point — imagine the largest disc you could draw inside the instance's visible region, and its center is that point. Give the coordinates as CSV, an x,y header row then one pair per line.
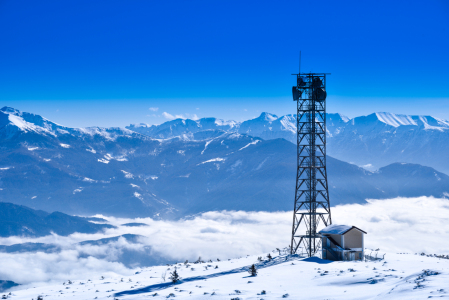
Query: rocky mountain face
x,y
372,141
121,172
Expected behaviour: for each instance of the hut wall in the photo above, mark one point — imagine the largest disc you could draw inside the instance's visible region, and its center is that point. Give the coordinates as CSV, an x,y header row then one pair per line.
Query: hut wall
x,y
353,239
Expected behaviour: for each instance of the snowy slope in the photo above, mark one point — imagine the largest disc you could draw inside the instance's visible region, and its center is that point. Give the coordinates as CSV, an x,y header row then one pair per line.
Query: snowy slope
x,y
299,278
398,276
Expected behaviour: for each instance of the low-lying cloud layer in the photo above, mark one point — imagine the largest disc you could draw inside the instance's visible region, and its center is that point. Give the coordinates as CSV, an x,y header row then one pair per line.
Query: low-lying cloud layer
x,y
401,224
395,225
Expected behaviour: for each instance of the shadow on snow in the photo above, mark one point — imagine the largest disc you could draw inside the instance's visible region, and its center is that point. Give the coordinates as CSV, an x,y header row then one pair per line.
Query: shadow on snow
x,y
275,261
317,260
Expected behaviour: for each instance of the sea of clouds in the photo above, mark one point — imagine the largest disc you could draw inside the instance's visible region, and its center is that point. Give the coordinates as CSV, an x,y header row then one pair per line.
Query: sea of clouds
x,y
394,225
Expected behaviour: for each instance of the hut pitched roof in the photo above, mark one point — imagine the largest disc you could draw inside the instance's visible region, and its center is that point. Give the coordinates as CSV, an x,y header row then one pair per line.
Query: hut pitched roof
x,y
338,229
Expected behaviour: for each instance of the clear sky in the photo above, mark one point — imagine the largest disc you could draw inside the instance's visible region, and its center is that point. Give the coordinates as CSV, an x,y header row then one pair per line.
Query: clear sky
x,y
112,63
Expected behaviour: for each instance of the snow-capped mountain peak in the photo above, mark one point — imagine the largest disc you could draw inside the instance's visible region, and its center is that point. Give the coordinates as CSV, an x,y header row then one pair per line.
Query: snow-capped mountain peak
x,y
14,120
267,117
344,118
7,109
395,120
229,123
428,122
425,122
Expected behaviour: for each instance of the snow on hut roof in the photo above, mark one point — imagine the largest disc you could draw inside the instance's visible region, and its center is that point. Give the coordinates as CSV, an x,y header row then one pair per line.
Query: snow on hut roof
x,y
338,229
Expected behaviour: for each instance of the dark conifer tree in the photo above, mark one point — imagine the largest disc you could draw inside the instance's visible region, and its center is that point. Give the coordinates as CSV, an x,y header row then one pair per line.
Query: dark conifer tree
x,y
174,276
252,270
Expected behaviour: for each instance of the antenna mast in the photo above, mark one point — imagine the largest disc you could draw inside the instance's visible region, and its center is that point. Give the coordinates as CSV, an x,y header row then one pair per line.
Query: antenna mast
x,y
311,193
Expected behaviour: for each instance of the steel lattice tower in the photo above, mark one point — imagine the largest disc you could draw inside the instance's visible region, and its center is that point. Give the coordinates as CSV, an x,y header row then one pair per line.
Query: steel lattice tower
x,y
311,195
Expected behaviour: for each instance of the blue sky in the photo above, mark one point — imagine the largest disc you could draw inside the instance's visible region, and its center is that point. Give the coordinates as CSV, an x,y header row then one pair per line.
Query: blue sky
x,y
106,63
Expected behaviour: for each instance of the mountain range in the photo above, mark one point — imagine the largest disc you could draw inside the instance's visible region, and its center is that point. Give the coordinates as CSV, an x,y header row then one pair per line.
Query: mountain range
x,y
372,141
19,220
121,172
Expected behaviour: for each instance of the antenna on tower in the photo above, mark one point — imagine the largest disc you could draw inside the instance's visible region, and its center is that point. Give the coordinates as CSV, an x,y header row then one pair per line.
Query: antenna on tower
x,y
312,205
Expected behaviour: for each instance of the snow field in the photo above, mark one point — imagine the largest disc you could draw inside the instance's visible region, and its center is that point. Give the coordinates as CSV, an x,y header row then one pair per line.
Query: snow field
x,y
399,276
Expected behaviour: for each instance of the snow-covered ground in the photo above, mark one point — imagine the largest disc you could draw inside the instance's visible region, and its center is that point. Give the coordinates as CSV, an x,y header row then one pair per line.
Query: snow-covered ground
x,y
135,246
398,276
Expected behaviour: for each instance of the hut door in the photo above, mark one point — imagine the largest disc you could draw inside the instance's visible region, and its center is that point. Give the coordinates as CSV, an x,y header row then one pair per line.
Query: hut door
x,y
351,255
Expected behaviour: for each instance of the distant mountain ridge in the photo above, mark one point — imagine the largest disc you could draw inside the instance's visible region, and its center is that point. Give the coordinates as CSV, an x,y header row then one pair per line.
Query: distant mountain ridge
x,y
372,141
13,121
23,221
7,284
124,173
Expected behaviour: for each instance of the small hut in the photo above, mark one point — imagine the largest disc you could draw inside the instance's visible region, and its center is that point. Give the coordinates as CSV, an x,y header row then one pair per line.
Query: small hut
x,y
342,242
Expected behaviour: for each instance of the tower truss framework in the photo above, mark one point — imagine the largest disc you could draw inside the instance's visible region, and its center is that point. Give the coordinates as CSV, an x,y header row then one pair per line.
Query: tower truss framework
x,y
311,195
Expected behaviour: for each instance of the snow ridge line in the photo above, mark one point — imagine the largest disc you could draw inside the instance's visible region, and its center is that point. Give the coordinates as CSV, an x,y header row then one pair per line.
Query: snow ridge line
x,y
162,286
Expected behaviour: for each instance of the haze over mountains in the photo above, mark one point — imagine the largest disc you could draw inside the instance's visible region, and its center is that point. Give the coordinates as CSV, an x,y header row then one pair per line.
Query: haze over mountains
x,y
121,172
